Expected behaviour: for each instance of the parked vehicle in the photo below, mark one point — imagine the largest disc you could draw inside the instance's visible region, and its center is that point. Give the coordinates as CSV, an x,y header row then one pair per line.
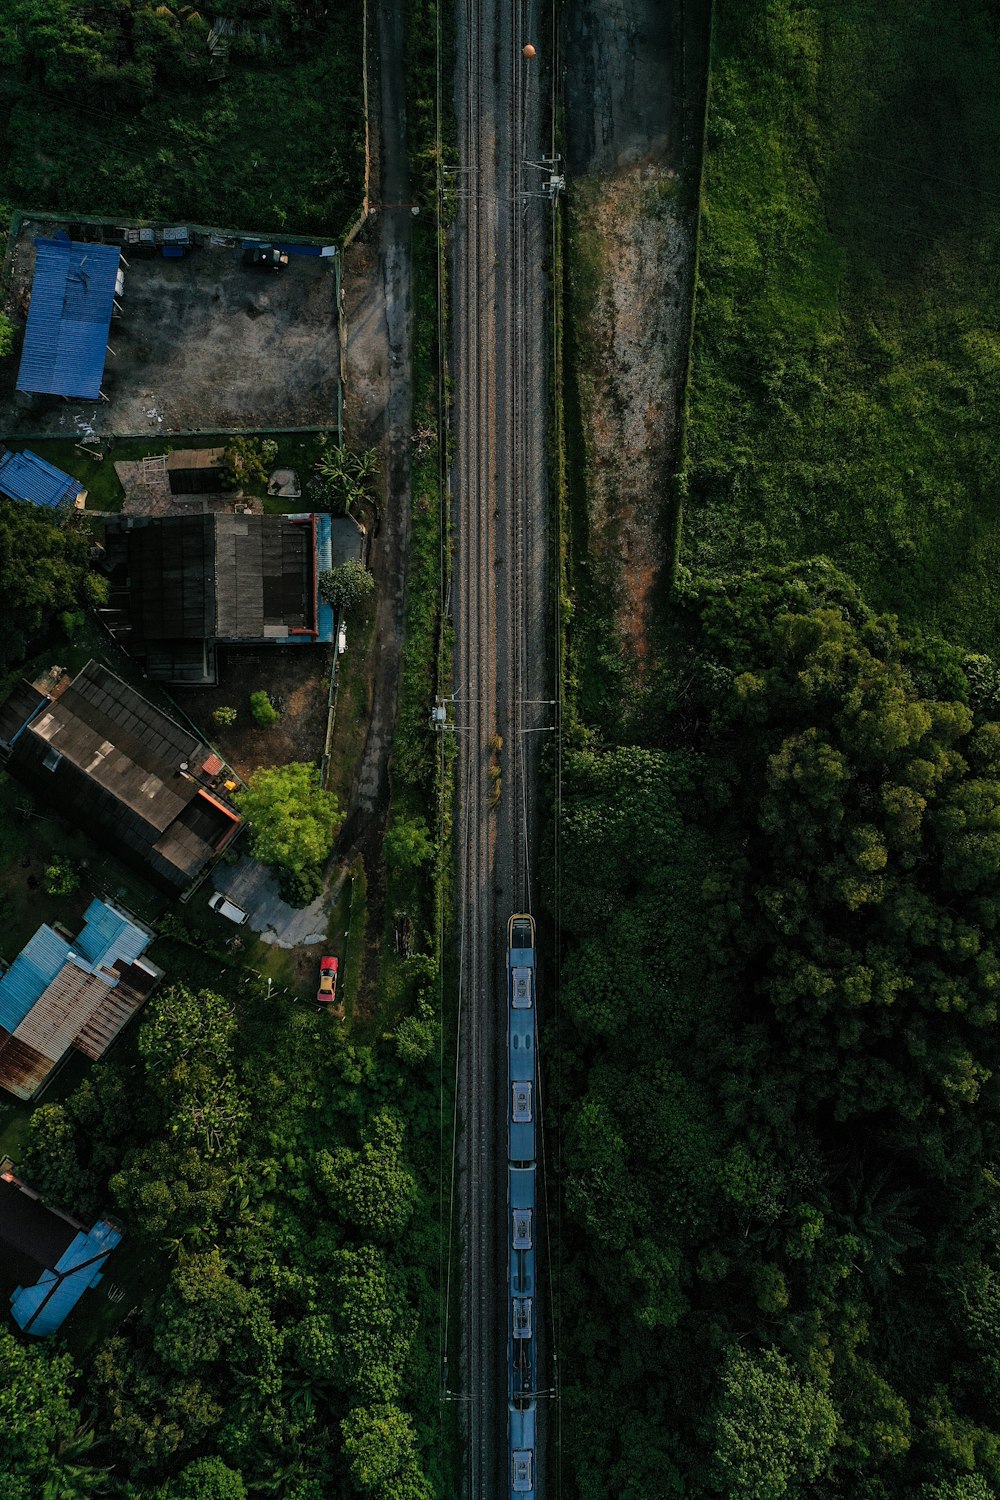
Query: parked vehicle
x,y
328,971
227,908
264,257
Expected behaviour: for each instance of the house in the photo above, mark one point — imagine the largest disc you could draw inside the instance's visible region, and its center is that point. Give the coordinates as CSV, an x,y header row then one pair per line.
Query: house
x,y
127,773
72,300
25,476
62,992
47,1259
181,585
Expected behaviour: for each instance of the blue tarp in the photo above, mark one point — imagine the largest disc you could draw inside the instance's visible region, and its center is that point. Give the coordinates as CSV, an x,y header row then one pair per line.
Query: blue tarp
x,y
25,476
40,1309
66,338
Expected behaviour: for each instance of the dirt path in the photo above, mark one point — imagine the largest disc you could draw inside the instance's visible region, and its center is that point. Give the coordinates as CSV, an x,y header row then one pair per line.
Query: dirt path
x,y
629,91
378,413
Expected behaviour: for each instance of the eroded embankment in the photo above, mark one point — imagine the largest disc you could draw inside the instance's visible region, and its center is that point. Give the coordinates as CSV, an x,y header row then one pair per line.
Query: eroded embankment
x,y
633,99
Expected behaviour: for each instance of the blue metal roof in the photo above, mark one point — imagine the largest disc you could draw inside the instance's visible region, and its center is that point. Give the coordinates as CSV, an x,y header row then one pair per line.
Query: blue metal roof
x,y
66,337
25,476
41,1309
30,975
107,936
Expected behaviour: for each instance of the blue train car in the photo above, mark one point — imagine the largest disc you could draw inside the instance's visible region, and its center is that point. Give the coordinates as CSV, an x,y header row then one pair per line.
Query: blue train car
x,y
521,1040
521,1306
522,1218
523,1475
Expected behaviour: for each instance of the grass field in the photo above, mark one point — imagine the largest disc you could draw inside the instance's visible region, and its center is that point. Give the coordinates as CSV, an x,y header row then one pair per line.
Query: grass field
x,y
847,360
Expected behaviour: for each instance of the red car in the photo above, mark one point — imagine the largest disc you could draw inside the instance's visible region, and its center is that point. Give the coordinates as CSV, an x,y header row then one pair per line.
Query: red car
x,y
328,971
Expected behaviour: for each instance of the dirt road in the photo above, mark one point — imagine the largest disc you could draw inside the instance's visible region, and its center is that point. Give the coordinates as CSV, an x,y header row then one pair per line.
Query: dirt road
x,y
379,367
500,245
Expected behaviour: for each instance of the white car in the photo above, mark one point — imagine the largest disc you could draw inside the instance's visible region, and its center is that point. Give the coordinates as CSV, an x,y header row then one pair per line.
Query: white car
x,y
227,908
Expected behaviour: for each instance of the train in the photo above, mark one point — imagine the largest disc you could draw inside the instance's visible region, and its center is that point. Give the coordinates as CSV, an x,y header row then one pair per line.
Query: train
x,y
521,1207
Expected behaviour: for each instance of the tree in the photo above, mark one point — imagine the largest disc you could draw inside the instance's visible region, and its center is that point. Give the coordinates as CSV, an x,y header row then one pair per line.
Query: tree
x,y
292,819
49,1160
43,571
372,1325
380,1444
60,878
7,333
206,1479
342,480
246,462
407,844
36,1416
771,1429
371,1188
348,586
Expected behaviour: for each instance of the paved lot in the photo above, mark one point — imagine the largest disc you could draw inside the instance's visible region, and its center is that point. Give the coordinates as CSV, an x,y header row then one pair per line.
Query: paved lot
x,y
249,884
204,344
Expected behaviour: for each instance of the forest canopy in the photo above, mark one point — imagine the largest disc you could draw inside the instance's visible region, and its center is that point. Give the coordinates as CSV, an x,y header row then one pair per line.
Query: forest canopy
x,y
780,1006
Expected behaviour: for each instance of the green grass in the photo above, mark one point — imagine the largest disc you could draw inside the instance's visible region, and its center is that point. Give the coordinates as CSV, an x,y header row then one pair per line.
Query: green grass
x,y
104,491
846,387
346,935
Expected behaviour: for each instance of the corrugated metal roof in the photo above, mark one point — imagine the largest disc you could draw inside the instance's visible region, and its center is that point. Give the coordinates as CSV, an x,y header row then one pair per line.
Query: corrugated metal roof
x,y
66,337
42,1308
25,476
109,935
33,969
54,995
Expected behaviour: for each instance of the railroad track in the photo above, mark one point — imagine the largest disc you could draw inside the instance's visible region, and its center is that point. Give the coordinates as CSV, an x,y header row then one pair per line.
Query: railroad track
x,y
501,653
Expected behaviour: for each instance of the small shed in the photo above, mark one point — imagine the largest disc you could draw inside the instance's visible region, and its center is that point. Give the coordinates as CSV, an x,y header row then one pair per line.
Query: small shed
x,y
25,476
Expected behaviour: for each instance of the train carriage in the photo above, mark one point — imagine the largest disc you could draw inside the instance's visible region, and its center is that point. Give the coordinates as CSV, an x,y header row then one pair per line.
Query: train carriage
x,y
522,1216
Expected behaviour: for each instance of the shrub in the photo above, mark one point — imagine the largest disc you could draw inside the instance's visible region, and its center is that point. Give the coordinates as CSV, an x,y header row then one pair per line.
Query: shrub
x,y
299,887
347,586
262,709
60,878
225,716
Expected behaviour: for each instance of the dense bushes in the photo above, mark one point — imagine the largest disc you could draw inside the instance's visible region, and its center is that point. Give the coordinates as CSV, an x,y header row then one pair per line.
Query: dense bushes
x,y
120,108
781,997
276,1323
44,570
846,367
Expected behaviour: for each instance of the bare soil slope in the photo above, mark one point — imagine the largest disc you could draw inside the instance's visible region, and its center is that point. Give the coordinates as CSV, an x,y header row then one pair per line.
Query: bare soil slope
x,y
631,257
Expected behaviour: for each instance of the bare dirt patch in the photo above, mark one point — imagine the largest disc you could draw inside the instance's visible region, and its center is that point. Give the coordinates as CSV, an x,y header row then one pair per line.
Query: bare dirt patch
x,y
632,325
297,679
632,92
204,344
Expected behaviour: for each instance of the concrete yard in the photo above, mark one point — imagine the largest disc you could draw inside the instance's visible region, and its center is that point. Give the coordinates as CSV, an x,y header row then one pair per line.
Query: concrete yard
x,y
204,344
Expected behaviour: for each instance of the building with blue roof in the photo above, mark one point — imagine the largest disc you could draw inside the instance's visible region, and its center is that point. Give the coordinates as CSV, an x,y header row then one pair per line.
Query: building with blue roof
x,y
47,1259
62,992
25,476
72,300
